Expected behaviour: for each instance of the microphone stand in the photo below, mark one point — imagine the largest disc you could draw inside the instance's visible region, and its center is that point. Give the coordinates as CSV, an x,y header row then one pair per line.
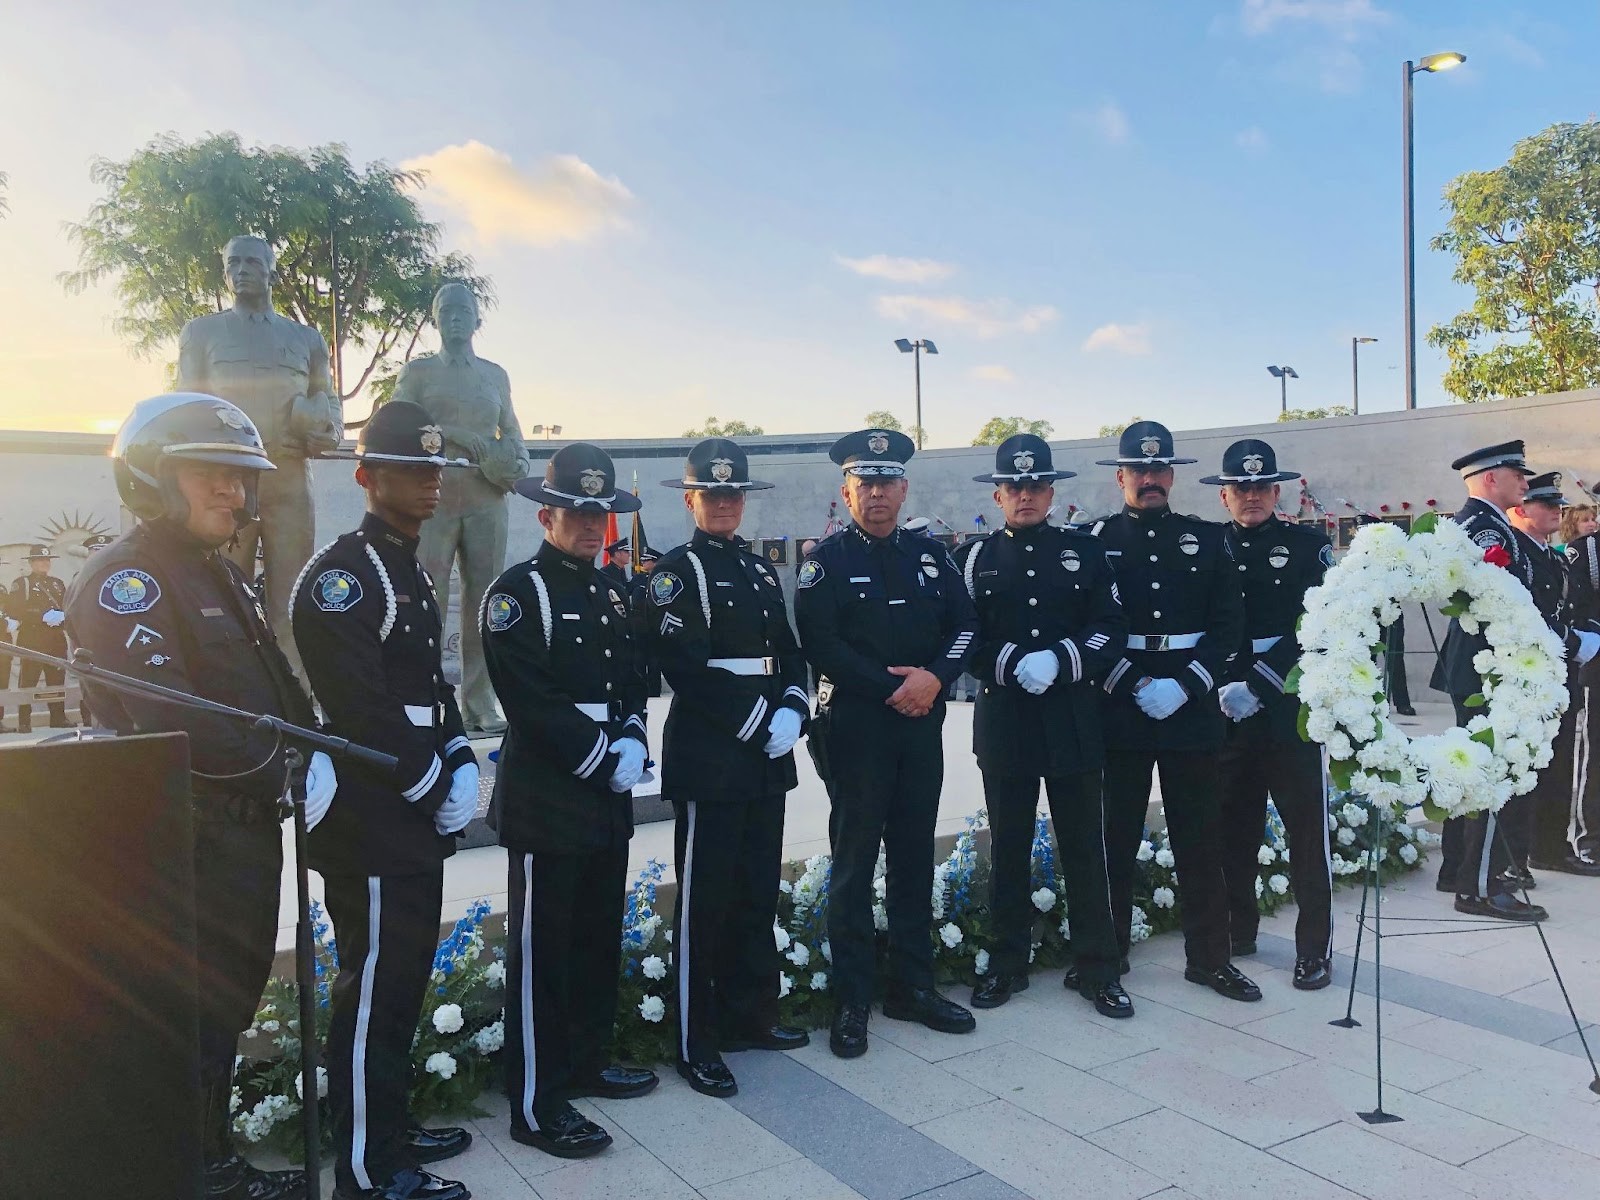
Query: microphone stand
x,y
294,803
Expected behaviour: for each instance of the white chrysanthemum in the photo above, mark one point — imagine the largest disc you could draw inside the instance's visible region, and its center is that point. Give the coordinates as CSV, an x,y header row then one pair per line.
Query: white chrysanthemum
x,y
322,1084
780,938
799,954
1164,858
819,981
490,1038
495,973
1266,856
1145,852
980,962
1044,900
950,934
1163,897
447,1018
652,1008
441,1064
1278,884
785,985
653,967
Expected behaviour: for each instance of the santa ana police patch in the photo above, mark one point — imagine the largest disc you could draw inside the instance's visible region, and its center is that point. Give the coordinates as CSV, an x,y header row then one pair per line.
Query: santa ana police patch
x,y
129,591
930,565
811,573
1325,555
665,587
1071,561
501,612
336,590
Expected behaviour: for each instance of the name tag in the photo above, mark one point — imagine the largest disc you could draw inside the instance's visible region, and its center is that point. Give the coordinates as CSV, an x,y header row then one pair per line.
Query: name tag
x,y
723,583
897,602
981,574
570,617
861,579
211,612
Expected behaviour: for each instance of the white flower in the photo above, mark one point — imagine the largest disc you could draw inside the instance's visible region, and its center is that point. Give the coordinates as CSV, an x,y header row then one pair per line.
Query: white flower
x,y
1044,900
1144,853
441,1064
1259,887
1265,856
652,1008
1163,897
785,887
447,1018
827,951
490,1038
799,955
322,1084
950,934
1354,815
780,938
653,967
270,1027
819,981
1139,927
785,985
1066,929
1164,858
495,973
1408,853
1278,884
1347,837
980,962
880,918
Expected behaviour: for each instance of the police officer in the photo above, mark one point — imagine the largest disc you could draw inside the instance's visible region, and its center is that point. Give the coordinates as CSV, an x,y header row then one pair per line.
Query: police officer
x,y
886,624
369,629
1050,622
37,602
162,604
91,545
1181,591
1262,750
720,630
564,665
1569,846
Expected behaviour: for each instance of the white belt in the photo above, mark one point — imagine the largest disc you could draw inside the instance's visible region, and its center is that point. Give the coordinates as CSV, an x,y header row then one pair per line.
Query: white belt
x,y
595,712
420,715
1164,641
745,666
1262,645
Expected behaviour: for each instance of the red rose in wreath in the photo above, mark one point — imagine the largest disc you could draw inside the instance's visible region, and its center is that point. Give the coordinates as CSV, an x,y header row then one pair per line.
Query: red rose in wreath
x,y
1497,556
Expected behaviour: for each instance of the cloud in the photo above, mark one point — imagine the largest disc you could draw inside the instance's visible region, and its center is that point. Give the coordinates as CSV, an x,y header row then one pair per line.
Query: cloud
x,y
898,270
560,199
1120,339
986,318
1108,122
1345,18
1253,140
994,373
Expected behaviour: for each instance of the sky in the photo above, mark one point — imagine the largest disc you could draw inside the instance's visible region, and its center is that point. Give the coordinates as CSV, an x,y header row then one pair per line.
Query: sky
x,y
1095,210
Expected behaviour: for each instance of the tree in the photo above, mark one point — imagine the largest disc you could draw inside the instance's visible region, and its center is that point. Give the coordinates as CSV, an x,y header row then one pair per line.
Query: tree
x,y
724,429
1526,237
998,429
882,418
1316,414
168,210
1111,431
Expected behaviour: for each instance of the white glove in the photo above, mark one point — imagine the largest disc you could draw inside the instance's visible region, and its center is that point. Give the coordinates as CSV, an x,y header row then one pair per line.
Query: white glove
x,y
12,625
630,764
1238,701
1160,698
461,805
785,730
1588,645
55,616
1037,671
321,783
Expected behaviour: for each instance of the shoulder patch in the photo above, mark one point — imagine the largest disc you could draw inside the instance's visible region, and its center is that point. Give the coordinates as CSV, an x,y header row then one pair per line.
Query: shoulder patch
x,y
501,612
1489,536
1071,560
336,590
1572,554
1325,555
129,591
665,587
811,573
930,564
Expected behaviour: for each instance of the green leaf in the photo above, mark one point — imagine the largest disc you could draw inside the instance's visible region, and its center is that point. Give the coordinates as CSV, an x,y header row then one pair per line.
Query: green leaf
x,y
1432,811
1426,523
1300,722
1475,700
1291,685
1340,770
1485,736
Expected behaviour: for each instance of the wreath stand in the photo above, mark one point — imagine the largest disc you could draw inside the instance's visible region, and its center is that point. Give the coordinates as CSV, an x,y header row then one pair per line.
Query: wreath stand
x,y
1372,885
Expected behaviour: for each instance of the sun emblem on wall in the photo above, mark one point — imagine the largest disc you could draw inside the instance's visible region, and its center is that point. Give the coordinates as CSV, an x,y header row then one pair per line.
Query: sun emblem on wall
x,y
65,533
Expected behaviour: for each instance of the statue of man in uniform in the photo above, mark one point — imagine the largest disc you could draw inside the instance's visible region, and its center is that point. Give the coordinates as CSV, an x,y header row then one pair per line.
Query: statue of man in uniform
x,y
470,398
276,370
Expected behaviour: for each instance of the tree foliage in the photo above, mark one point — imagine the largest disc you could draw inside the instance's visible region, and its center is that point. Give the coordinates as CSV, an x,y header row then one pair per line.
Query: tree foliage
x,y
725,429
998,429
1110,431
1526,237
1316,414
168,210
882,418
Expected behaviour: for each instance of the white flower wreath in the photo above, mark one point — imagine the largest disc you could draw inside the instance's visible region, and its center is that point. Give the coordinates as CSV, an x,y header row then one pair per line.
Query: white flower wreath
x,y
1343,704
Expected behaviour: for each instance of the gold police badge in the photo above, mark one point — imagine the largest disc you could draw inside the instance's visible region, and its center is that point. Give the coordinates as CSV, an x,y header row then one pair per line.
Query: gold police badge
x,y
432,439
1151,446
722,469
1252,464
878,442
592,481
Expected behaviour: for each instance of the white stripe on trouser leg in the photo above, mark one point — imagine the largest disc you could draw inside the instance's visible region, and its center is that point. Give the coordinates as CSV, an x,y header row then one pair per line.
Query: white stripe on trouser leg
x,y
682,948
530,1057
358,1047
1485,855
1577,828
1327,850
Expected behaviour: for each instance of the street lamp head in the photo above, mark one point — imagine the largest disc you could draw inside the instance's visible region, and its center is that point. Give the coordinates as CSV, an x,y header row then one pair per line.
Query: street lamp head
x,y
1365,340
928,347
1289,371
904,344
555,430
1447,61
1275,372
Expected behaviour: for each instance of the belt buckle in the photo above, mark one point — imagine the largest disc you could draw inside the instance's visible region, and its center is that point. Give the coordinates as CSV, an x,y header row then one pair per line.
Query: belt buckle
x,y
769,666
1163,641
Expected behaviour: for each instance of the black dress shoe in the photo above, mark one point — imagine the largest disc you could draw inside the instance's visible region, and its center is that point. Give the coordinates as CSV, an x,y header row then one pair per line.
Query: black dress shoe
x,y
777,1037
994,990
1244,949
1109,999
234,1179
1502,907
710,1078
435,1145
927,1007
1518,878
615,1083
1226,981
1572,864
1312,974
413,1183
1405,710
567,1134
848,1037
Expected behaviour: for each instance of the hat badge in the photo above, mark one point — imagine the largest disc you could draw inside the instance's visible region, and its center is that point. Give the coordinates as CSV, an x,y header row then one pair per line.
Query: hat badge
x,y
1022,460
1555,480
878,443
1151,446
592,481
722,469
432,439
1253,464
230,416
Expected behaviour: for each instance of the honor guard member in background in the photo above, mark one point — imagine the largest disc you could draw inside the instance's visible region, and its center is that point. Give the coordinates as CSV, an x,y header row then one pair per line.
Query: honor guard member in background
x,y
37,603
1262,750
1050,622
369,629
720,631
1571,847
887,624
162,604
566,669
1185,610
91,545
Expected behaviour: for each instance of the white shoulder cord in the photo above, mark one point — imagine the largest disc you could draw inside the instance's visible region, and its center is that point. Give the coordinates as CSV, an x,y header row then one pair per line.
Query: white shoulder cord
x,y
705,592
388,593
972,563
306,570
545,619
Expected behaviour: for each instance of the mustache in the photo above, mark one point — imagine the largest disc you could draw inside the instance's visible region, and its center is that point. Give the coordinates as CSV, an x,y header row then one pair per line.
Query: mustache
x,y
1152,489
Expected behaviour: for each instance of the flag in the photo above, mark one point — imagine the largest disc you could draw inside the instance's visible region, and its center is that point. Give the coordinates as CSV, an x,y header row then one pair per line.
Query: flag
x,y
613,535
637,534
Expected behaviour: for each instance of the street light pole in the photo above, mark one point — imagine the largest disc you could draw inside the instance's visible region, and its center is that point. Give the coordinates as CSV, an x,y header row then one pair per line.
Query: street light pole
x,y
915,349
1408,69
1355,374
1283,375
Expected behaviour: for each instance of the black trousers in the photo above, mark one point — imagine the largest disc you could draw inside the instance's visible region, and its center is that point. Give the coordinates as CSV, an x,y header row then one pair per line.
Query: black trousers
x,y
563,951
1565,800
1254,763
886,775
729,854
1394,665
237,872
1077,811
1194,824
1476,850
387,928
29,675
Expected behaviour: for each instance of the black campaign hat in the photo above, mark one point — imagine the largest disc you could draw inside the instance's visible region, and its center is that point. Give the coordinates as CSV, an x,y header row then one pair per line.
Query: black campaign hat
x,y
1250,461
39,550
873,453
97,541
717,463
1545,488
1023,456
402,432
579,475
1144,444
1505,454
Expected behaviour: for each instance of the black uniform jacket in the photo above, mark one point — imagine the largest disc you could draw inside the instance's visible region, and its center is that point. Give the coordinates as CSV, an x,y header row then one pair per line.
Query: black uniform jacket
x,y
565,666
1277,564
368,627
865,604
1583,581
31,597
1488,527
159,606
712,601
1180,589
1041,588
